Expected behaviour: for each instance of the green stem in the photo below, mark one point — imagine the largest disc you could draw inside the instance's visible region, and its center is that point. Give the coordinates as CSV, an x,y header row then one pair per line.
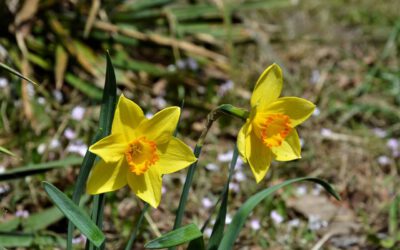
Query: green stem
x,y
87,165
224,109
132,239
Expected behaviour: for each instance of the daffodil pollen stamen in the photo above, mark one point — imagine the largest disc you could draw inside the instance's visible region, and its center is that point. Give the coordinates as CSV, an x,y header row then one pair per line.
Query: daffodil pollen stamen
x,y
274,129
141,154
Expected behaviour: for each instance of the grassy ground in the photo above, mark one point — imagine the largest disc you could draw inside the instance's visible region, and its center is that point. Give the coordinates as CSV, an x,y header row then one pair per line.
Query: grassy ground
x,y
342,55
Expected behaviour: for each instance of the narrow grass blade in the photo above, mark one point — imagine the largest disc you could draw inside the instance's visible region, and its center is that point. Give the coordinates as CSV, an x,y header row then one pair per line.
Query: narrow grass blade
x,y
135,65
218,229
13,71
42,220
80,185
109,98
7,152
176,237
240,217
132,239
10,225
34,222
393,216
75,214
106,116
29,240
105,124
97,217
86,88
32,169
61,63
186,188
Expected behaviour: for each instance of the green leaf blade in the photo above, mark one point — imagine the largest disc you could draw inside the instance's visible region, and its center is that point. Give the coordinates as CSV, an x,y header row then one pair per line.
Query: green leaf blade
x,y
176,237
219,226
75,214
109,98
14,72
32,169
6,151
240,217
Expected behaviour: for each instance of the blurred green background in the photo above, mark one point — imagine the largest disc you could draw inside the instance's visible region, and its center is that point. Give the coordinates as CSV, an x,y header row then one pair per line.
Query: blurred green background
x,y
342,55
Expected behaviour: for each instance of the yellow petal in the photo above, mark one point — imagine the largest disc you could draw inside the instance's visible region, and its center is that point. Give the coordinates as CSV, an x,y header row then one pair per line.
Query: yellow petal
x,y
241,140
128,116
161,126
298,109
290,148
258,156
174,156
268,87
147,186
107,177
110,148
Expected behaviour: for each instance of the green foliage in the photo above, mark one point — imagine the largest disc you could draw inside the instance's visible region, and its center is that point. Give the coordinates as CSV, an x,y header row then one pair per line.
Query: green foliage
x,y
177,237
32,169
75,214
241,215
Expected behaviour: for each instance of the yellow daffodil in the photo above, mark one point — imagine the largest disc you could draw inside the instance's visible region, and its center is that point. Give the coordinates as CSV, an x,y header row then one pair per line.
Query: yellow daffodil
x,y
138,152
269,132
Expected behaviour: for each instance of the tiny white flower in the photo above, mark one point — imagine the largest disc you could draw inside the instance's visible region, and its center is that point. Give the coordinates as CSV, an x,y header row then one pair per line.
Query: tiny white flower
x,y
163,190
315,76
206,202
192,64
77,113
315,223
4,188
41,148
301,142
276,217
30,89
294,223
171,68
3,82
301,190
225,87
149,115
54,143
181,64
316,112
208,232
225,157
239,176
325,132
316,190
212,167
393,144
69,134
255,224
3,52
160,102
22,214
234,187
81,239
228,219
379,132
239,164
77,147
41,100
58,95
2,169
383,160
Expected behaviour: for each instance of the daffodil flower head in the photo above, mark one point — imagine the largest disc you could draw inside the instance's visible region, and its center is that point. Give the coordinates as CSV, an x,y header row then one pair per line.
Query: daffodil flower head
x,y
270,130
138,152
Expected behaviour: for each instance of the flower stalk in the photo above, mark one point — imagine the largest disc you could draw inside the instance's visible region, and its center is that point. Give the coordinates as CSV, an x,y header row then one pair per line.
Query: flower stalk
x,y
224,109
